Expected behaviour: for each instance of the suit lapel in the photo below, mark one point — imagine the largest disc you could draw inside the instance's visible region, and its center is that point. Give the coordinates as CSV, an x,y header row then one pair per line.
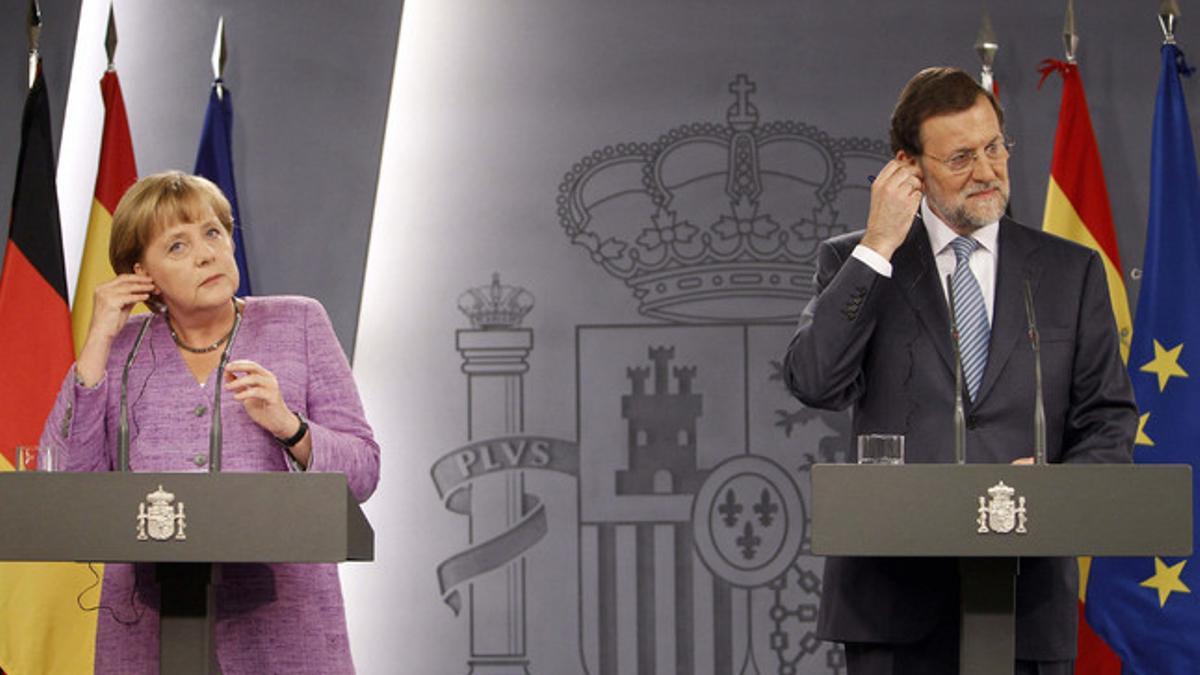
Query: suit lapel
x,y
915,274
1015,264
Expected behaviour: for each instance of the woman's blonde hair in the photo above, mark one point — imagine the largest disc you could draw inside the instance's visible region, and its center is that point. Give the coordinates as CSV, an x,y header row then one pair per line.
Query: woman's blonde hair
x,y
156,201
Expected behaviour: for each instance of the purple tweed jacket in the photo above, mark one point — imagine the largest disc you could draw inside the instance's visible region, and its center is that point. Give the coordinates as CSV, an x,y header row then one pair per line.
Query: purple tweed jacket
x,y
270,618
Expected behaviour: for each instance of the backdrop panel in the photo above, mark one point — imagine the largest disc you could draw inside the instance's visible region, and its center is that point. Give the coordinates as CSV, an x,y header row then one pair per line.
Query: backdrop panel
x,y
594,228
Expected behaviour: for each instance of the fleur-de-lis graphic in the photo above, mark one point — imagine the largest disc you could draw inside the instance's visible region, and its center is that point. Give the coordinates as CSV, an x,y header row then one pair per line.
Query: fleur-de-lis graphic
x,y
730,509
749,541
766,509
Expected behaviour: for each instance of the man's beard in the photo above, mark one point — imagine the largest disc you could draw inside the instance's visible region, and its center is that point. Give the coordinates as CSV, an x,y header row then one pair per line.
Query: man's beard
x,y
961,215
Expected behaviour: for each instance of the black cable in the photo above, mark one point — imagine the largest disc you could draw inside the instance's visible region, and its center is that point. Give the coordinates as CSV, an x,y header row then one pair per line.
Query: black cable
x,y
137,611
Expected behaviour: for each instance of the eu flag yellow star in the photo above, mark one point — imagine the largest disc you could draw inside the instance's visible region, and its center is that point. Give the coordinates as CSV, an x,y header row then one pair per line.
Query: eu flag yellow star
x,y
1142,438
1165,364
1166,580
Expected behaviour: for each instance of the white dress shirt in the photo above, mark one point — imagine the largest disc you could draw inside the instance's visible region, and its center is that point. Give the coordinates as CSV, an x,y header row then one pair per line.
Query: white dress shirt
x,y
983,259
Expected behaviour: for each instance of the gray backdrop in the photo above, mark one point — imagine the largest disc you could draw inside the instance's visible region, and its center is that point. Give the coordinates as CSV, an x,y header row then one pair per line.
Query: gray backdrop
x,y
310,82
500,110
635,408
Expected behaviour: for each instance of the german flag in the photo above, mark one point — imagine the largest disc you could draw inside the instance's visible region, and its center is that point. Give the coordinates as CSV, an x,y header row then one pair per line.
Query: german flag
x,y
1077,208
35,345
42,628
117,172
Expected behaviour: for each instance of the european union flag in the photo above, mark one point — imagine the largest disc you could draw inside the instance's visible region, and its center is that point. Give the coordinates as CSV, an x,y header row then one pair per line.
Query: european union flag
x,y
1145,608
214,161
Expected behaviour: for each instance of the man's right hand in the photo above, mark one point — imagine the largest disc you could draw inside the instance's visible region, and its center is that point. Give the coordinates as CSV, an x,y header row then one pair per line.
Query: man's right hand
x,y
895,197
111,306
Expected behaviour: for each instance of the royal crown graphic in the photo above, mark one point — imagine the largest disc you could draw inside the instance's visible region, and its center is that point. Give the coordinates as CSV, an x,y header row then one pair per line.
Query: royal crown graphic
x,y
719,222
495,306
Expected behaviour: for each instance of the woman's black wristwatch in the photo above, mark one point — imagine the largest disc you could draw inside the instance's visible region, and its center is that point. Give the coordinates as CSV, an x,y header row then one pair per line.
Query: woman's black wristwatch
x,y
291,441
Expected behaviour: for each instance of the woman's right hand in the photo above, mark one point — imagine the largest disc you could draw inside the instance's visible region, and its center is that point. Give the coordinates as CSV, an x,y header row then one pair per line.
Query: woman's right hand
x,y
112,303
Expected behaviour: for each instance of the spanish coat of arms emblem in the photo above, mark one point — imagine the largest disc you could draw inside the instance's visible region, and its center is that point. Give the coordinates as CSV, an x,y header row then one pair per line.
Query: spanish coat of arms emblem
x,y
1001,514
159,521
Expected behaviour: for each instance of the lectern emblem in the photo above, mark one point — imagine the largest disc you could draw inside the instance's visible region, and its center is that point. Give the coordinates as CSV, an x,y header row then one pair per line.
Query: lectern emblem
x,y
159,521
1001,515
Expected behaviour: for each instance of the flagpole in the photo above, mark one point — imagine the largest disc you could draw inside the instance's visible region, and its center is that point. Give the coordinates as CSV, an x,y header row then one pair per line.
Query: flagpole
x,y
1070,36
986,47
33,32
218,59
110,40
1168,15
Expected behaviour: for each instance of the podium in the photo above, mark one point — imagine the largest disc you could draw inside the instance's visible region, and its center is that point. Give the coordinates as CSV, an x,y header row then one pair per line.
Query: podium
x,y
183,523
989,516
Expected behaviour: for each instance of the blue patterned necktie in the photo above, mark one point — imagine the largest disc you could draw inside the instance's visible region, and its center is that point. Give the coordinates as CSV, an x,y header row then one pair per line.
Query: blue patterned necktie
x,y
970,314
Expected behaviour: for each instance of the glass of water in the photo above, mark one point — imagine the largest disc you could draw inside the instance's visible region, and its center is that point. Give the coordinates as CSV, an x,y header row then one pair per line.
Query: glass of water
x,y
37,458
881,449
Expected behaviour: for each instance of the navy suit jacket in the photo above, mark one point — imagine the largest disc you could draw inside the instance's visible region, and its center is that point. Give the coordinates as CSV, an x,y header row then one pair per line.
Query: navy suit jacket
x,y
882,346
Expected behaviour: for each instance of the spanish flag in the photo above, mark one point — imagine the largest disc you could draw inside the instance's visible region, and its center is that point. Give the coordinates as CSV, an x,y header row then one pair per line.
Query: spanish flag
x,y
1077,208
42,628
116,174
1077,198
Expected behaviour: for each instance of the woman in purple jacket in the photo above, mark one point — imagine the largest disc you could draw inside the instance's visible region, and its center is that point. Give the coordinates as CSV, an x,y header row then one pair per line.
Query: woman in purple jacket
x,y
290,405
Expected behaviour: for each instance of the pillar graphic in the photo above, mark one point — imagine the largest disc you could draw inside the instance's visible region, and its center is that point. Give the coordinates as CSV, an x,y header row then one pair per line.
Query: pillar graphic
x,y
495,353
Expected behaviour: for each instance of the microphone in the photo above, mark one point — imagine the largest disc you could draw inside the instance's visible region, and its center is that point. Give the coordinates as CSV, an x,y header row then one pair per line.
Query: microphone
x,y
123,420
1039,403
960,415
214,433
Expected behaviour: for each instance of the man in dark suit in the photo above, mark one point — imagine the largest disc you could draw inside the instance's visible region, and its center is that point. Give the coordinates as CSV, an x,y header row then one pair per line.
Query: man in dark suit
x,y
877,337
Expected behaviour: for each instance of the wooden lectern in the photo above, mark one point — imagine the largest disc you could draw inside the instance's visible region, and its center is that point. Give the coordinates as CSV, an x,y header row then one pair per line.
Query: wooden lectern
x,y
182,522
989,516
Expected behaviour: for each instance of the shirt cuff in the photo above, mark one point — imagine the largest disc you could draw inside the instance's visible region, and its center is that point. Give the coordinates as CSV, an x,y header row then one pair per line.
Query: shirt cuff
x,y
873,260
79,385
293,464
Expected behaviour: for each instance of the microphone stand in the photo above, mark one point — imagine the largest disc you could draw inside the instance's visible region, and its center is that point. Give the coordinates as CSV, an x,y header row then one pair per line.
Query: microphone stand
x,y
1039,404
960,415
214,434
123,419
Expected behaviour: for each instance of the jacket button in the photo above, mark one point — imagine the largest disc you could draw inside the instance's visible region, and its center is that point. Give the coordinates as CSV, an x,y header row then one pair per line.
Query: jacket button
x,y
200,460
200,410
972,422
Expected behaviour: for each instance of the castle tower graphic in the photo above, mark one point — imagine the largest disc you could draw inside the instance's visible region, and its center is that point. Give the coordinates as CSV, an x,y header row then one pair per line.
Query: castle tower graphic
x,y
662,429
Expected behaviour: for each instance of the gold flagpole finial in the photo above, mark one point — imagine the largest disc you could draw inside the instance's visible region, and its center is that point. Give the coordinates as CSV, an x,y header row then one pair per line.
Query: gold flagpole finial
x,y
1168,17
218,58
986,47
110,39
1070,37
33,32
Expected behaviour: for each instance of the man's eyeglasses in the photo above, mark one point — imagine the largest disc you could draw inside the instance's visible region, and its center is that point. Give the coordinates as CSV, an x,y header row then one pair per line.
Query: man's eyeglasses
x,y
962,161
